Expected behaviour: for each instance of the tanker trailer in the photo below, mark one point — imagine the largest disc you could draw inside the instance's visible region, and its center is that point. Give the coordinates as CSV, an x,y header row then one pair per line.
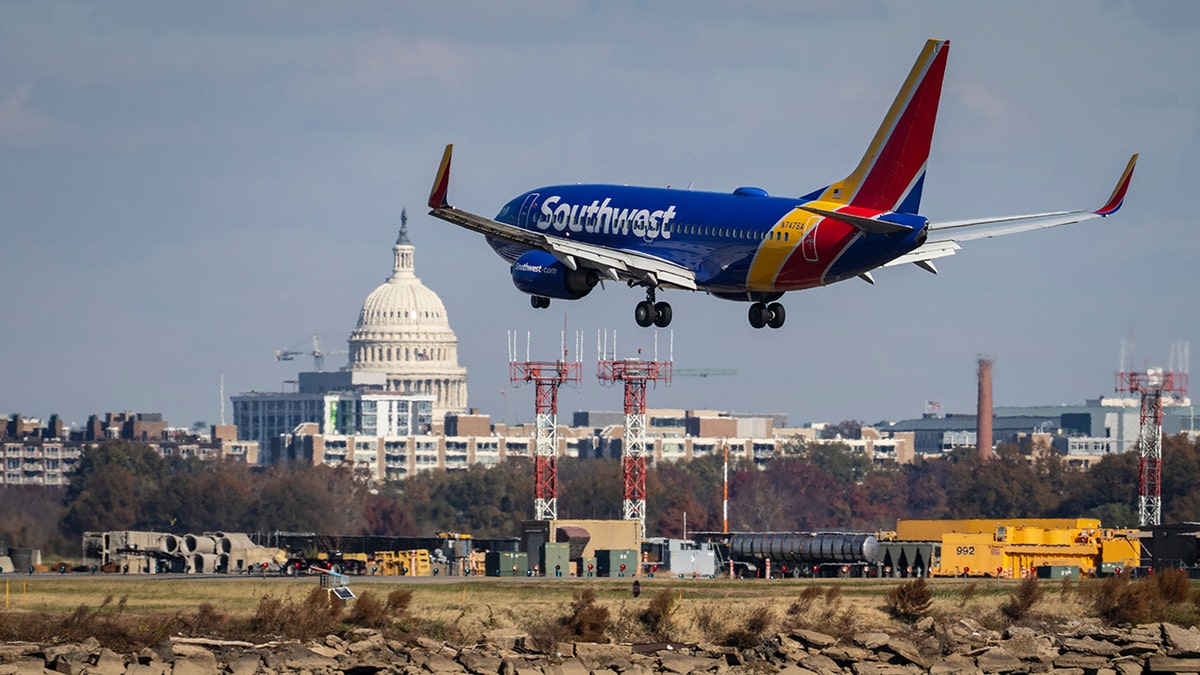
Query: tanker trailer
x,y
801,552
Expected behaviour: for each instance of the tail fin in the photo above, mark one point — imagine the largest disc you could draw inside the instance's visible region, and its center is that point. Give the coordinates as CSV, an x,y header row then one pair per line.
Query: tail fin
x,y
890,175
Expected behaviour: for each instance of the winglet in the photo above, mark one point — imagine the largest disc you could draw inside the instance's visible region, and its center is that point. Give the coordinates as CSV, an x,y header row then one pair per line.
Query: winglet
x,y
1118,195
441,183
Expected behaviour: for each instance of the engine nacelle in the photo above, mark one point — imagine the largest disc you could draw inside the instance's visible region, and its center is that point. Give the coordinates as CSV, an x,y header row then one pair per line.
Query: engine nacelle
x,y
540,273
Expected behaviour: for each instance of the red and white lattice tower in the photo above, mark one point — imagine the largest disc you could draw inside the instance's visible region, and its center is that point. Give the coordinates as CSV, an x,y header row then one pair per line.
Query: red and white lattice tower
x,y
635,374
1151,385
547,377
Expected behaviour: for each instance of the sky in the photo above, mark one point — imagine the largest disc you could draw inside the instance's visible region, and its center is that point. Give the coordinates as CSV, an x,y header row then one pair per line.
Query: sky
x,y
187,187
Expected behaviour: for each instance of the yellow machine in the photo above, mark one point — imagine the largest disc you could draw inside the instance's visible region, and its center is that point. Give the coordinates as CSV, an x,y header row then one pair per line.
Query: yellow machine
x,y
1017,548
414,563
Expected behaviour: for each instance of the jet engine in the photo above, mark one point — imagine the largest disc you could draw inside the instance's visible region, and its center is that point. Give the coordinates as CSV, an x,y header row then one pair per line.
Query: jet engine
x,y
540,273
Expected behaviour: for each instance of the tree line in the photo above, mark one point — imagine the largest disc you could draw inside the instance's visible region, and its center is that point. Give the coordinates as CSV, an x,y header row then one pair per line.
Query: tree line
x,y
121,485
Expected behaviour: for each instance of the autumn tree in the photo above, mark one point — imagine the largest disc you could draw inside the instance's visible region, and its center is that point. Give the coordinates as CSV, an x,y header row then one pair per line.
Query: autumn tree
x,y
486,501
111,487
847,429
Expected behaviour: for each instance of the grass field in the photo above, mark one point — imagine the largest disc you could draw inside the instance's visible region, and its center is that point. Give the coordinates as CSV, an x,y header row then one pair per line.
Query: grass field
x,y
702,610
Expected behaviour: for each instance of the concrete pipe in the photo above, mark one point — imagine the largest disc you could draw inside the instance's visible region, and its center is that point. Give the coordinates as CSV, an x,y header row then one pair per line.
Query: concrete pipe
x,y
22,558
169,544
239,540
194,544
204,563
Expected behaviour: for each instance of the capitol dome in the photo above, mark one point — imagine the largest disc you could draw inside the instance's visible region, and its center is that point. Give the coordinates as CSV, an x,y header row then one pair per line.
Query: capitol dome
x,y
403,331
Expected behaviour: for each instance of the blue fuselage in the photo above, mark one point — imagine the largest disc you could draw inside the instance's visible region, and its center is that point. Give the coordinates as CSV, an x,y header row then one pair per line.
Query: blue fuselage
x,y
735,243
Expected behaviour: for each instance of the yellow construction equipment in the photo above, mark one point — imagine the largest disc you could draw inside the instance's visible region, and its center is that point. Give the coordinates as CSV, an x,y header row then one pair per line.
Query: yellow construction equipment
x,y
1019,547
414,563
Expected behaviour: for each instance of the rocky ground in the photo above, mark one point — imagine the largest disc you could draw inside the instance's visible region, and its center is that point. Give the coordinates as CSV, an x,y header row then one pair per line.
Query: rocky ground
x,y
946,646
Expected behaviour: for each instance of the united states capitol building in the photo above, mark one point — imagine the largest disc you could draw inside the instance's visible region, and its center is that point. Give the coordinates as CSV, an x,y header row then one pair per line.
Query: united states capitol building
x,y
402,376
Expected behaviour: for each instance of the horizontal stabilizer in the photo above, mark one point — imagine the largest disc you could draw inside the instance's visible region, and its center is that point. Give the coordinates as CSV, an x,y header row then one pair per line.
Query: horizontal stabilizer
x,y
868,225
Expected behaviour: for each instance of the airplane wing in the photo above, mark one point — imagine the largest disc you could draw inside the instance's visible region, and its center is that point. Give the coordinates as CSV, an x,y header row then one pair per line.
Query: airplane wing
x,y
613,263
945,237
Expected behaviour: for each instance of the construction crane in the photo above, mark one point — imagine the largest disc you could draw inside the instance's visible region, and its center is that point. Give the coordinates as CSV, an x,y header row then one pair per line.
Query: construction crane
x,y
703,372
317,354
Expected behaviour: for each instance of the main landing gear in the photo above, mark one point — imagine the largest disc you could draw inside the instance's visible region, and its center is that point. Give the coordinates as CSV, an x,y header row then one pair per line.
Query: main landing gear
x,y
762,314
650,313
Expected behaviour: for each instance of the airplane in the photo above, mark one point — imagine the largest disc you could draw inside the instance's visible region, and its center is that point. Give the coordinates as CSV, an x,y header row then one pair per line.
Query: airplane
x,y
563,240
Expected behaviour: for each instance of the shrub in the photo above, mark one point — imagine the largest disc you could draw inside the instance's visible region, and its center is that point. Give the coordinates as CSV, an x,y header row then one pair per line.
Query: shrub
x,y
206,622
910,601
752,633
833,602
803,602
108,627
1028,593
968,592
1117,601
546,635
316,615
398,601
833,595
368,612
587,622
1172,585
657,615
707,622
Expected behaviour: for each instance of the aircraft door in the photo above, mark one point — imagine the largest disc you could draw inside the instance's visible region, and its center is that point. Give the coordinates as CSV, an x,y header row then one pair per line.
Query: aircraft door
x,y
810,239
523,219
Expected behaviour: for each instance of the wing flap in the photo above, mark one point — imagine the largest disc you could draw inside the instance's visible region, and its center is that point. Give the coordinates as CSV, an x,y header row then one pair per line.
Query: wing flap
x,y
924,254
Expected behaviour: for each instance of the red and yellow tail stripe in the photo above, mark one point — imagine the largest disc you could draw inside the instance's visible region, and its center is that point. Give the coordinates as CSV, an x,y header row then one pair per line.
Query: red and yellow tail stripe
x,y
895,160
1118,195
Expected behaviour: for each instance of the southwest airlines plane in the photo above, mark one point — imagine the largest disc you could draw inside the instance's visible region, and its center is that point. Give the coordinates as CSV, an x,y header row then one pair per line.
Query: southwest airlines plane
x,y
746,245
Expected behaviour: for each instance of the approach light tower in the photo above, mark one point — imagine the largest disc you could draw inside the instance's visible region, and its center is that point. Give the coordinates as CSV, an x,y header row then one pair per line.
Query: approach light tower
x,y
635,374
547,377
1151,385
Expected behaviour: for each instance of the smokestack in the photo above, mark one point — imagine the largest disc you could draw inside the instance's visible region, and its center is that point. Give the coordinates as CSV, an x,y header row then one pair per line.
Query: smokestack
x,y
983,411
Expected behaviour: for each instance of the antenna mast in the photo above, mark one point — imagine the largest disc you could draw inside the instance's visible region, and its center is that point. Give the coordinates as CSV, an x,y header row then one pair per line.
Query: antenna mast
x,y
634,374
547,377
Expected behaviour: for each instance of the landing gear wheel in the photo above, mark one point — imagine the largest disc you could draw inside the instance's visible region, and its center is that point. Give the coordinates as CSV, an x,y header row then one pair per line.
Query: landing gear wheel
x,y
777,315
758,315
662,314
539,301
644,313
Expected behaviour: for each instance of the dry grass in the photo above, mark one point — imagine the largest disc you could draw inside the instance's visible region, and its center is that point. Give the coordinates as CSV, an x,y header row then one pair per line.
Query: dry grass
x,y
464,611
